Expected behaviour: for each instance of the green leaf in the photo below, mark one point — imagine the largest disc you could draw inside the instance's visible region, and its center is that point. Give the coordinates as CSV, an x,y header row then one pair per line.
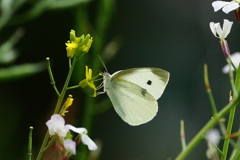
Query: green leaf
x,y
21,71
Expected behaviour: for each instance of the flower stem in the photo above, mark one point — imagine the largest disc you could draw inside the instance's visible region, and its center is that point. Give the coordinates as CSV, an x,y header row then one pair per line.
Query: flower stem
x,y
30,144
182,135
228,132
211,99
208,126
209,91
73,87
51,76
229,58
235,153
232,113
57,109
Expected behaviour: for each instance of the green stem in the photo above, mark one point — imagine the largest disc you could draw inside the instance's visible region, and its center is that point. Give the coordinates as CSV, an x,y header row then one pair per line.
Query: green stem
x,y
73,87
57,109
203,131
232,111
69,62
231,79
30,144
182,135
235,153
209,91
211,99
51,76
228,132
43,146
229,58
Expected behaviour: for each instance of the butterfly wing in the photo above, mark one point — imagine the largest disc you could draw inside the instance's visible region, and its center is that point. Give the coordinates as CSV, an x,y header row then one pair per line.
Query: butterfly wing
x,y
132,103
154,80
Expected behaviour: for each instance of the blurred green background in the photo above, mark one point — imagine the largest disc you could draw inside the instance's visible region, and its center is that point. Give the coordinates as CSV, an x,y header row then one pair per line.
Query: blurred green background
x,y
172,35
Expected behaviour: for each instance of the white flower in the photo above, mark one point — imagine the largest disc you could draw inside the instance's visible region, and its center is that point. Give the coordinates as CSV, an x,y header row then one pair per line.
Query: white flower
x,y
70,146
235,57
213,136
219,32
56,125
222,33
226,6
85,139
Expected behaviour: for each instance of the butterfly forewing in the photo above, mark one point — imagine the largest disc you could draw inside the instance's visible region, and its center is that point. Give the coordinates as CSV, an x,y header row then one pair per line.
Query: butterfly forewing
x,y
154,80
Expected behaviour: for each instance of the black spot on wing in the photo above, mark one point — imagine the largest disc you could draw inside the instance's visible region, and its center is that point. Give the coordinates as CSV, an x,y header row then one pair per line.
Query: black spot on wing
x,y
149,82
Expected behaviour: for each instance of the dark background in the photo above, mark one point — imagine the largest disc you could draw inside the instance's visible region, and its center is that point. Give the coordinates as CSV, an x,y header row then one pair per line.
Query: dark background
x,y
172,35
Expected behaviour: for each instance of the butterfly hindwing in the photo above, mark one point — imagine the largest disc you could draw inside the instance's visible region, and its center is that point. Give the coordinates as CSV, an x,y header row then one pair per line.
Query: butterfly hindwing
x,y
135,106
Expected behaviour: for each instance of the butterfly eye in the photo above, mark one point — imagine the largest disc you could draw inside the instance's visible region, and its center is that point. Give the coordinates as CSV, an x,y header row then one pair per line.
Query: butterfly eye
x,y
149,82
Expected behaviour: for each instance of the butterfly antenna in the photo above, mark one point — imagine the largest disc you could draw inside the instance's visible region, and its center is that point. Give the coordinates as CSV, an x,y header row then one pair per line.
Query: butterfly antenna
x,y
103,63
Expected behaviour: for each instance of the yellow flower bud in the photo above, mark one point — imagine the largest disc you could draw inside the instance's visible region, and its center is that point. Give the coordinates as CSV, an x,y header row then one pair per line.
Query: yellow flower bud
x,y
72,35
66,105
88,81
78,46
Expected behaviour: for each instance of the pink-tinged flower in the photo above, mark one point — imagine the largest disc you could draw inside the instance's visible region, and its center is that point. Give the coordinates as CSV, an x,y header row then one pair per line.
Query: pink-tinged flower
x,y
226,6
56,125
70,146
85,139
222,33
235,57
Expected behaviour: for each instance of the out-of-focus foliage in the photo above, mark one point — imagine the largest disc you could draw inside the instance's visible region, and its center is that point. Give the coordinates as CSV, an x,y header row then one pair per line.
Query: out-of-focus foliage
x,y
9,16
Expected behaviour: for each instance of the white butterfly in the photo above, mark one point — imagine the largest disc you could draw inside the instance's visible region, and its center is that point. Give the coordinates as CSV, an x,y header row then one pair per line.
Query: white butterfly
x,y
134,92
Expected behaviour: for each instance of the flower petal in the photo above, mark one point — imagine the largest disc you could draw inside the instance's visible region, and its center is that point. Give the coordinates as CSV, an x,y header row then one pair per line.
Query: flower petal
x,y
227,25
77,130
70,146
213,28
217,5
226,69
219,31
232,6
86,140
56,125
235,57
213,136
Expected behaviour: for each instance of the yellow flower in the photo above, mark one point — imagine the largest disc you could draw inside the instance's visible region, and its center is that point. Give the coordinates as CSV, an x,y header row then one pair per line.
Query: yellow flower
x,y
70,52
78,46
88,81
66,105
